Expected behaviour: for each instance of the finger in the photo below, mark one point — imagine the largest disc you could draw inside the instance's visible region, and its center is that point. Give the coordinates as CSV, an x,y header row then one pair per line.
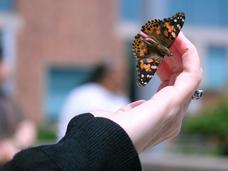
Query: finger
x,y
170,65
190,58
131,105
190,78
174,61
163,71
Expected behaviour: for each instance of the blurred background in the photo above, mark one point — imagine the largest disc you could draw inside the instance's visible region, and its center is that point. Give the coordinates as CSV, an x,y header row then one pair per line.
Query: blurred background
x,y
52,47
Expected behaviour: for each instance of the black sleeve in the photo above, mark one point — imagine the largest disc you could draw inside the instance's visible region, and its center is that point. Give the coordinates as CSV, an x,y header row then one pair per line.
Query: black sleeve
x,y
90,144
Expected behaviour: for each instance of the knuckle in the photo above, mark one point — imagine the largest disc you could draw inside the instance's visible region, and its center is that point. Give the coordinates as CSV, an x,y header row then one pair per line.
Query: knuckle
x,y
175,133
192,48
199,76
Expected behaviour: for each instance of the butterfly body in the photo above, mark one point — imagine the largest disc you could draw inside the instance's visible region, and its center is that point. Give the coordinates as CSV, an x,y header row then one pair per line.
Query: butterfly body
x,y
159,48
152,44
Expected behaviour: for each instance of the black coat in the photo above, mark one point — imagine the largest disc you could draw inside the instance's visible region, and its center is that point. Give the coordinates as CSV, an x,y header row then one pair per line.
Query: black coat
x,y
90,144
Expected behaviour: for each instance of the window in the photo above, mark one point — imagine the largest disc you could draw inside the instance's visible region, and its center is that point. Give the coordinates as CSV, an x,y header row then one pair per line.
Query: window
x,y
6,5
60,81
131,10
8,34
1,43
216,67
201,12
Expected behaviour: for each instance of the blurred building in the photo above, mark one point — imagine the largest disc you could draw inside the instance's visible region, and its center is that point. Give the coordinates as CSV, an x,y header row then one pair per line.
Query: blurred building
x,y
10,24
52,44
57,44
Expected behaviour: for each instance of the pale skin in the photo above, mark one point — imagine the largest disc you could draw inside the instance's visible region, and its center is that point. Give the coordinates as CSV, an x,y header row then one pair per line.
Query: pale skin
x,y
153,121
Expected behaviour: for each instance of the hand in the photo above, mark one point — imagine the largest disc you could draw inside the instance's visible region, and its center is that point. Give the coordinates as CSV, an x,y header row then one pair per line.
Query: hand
x,y
150,122
7,151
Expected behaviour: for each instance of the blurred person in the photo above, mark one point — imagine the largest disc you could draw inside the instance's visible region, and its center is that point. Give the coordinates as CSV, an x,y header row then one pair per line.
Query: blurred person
x,y
112,141
102,91
16,131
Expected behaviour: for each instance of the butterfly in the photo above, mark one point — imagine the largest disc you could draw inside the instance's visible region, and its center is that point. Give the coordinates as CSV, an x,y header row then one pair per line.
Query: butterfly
x,y
152,44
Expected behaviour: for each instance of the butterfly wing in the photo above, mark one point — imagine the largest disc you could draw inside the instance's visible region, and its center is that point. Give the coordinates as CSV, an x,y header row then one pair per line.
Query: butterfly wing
x,y
139,48
148,57
146,68
147,60
165,31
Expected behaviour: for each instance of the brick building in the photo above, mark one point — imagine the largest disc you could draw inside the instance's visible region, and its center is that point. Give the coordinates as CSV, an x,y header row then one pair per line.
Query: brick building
x,y
61,35
56,39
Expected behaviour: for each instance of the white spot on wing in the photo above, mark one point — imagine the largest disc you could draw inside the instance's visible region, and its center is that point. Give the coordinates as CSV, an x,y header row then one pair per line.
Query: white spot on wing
x,y
153,67
173,34
178,25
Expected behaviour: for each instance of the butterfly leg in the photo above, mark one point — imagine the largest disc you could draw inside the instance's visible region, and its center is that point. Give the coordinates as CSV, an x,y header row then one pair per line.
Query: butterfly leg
x,y
150,43
164,51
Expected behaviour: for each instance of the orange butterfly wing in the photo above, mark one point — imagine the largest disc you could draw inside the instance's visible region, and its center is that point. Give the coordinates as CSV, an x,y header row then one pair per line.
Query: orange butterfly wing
x,y
148,58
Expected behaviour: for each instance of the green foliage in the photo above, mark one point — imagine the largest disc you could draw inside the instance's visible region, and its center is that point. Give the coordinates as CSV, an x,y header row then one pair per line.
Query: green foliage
x,y
211,123
46,133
